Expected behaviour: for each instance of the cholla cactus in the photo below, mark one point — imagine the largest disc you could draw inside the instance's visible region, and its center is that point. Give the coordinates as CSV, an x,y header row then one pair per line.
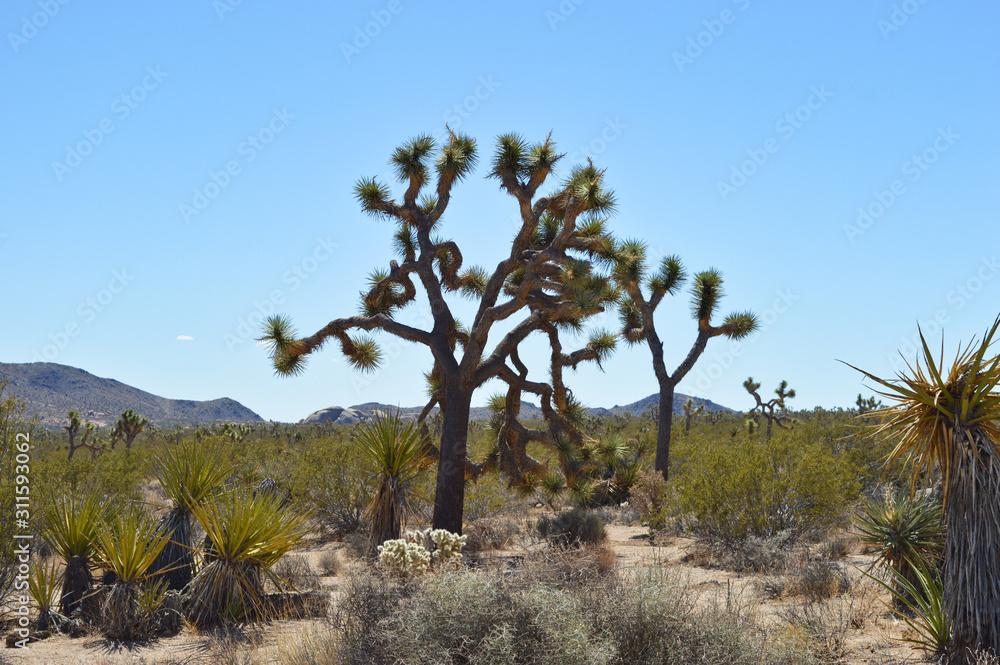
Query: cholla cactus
x,y
404,558
445,546
449,546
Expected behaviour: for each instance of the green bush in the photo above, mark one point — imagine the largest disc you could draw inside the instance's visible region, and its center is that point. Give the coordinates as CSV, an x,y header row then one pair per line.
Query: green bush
x,y
572,528
746,487
330,480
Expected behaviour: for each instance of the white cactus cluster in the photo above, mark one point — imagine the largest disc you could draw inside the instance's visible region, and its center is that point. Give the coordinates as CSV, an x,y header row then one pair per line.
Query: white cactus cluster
x,y
404,558
414,553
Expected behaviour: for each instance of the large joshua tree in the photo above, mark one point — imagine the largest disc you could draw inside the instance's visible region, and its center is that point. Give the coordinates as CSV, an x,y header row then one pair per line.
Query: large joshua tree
x,y
547,279
947,423
637,318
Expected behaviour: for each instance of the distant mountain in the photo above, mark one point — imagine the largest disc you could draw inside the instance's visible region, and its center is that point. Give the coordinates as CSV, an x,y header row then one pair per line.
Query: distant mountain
x,y
529,411
636,408
51,390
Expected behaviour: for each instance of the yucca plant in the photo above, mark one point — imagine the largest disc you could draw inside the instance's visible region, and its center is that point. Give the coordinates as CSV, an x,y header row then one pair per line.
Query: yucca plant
x,y
947,421
188,474
922,597
127,544
247,536
905,532
394,453
70,527
43,586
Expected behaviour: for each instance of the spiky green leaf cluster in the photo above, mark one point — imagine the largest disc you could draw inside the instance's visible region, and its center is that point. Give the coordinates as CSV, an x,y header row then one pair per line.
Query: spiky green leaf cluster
x,y
128,542
740,324
669,277
367,355
372,196
586,187
474,282
706,292
458,158
409,159
633,329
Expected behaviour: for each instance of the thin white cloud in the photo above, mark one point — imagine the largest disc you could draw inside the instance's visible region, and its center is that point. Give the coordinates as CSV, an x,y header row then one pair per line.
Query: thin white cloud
x,y
185,338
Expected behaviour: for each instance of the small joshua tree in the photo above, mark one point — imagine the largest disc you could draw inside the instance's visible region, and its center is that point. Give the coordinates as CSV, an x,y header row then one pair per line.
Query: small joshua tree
x,y
690,411
767,409
128,426
636,314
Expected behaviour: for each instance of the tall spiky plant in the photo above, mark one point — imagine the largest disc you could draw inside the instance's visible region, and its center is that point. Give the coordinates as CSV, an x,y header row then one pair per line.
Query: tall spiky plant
x,y
636,315
189,474
247,535
947,420
393,451
70,527
127,544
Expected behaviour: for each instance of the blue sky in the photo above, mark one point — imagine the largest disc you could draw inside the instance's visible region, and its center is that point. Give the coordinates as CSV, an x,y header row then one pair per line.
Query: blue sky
x,y
171,171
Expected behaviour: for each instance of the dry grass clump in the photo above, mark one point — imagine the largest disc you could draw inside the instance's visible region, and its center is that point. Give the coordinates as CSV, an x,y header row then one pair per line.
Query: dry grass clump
x,y
572,528
295,572
312,646
813,581
569,567
329,563
490,533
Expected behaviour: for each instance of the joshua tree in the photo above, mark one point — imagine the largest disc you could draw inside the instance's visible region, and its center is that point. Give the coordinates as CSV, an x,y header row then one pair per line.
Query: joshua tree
x,y
690,411
128,426
767,408
636,313
73,429
946,419
546,280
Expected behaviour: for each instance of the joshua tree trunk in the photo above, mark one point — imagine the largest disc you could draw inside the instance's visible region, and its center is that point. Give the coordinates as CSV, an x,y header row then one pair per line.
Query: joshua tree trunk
x,y
972,547
664,427
449,492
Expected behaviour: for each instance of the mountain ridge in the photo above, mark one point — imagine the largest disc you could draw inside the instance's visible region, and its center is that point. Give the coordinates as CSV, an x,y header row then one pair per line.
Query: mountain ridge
x,y
51,390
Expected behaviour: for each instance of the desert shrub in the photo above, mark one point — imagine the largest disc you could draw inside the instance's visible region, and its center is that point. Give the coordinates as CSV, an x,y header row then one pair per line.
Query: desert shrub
x,y
624,515
751,487
652,498
753,554
563,568
116,475
488,497
817,630
490,533
367,602
572,528
816,581
329,563
456,617
836,548
295,572
493,618
331,481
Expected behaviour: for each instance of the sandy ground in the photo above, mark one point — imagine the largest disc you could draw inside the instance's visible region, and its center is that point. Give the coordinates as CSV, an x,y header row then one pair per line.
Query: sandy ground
x,y
861,627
